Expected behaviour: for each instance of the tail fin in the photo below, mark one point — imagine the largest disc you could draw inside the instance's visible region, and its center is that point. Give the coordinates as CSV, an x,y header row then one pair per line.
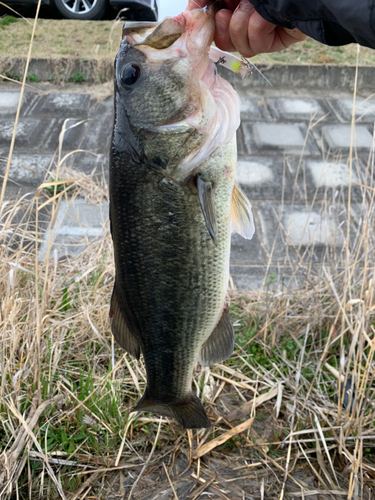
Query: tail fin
x,y
188,412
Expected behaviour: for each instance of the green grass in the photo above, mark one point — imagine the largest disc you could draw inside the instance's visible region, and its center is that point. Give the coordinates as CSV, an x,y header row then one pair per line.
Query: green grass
x,y
12,76
33,78
57,188
78,77
7,20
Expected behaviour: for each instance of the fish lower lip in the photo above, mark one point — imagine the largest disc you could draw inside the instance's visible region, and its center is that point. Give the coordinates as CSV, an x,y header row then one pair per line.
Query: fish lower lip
x,y
140,24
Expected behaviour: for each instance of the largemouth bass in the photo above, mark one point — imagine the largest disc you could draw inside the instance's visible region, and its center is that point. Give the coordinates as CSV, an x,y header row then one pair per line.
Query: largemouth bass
x,y
173,202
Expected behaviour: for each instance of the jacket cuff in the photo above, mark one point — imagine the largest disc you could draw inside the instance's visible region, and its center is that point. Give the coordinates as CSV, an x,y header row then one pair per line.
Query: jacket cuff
x,y
316,24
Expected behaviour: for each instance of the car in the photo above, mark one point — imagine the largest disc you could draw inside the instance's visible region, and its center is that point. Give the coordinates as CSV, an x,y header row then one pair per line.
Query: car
x,y
137,10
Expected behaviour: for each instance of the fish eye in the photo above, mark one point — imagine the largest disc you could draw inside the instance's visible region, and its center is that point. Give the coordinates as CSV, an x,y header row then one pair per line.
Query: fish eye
x,y
130,74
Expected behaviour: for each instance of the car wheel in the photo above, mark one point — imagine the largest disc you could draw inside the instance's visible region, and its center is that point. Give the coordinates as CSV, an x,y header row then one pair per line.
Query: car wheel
x,y
82,9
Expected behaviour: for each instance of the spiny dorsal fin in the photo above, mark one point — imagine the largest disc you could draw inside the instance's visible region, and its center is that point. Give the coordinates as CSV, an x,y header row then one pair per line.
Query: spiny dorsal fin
x,y
124,337
207,203
219,345
242,216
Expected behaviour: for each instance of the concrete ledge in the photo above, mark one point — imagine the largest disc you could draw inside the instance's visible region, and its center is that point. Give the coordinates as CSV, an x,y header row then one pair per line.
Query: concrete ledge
x,y
100,70
311,76
62,69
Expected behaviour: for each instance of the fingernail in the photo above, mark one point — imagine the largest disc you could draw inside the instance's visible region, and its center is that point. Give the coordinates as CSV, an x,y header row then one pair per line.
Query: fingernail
x,y
245,5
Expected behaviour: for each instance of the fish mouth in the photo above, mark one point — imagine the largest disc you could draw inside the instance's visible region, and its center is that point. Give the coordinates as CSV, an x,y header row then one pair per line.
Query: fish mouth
x,y
215,104
188,35
194,30
156,35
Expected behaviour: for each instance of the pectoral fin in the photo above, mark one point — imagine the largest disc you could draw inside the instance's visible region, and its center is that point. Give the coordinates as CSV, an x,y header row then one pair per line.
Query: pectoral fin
x,y
124,337
242,216
219,345
207,203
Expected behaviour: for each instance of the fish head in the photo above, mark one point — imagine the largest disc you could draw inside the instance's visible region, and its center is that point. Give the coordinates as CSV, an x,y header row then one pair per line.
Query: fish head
x,y
171,108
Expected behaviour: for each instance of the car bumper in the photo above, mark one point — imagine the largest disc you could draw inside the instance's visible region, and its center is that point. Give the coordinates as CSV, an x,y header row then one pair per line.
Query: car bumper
x,y
145,9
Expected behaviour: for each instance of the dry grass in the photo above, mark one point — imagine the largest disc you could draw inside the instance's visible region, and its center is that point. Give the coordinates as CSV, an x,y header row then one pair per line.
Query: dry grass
x,y
56,38
66,389
281,427
311,52
93,39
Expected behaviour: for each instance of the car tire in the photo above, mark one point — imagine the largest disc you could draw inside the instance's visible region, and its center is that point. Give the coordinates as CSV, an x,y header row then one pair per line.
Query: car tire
x,y
85,10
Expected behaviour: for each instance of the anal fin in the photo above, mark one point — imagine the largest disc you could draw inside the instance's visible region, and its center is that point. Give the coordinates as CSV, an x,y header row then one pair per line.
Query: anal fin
x,y
124,337
220,344
242,216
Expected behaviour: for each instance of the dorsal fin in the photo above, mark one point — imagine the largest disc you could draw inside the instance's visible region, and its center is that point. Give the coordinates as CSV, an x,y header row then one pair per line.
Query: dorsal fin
x,y
242,216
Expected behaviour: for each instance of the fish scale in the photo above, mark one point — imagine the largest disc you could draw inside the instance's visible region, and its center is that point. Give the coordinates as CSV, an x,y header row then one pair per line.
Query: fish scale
x,y
170,286
172,173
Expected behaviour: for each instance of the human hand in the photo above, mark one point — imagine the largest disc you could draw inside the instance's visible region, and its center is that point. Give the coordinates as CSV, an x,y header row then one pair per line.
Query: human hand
x,y
239,28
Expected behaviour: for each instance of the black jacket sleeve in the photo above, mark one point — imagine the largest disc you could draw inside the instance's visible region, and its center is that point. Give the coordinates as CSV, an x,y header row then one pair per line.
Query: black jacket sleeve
x,y
332,22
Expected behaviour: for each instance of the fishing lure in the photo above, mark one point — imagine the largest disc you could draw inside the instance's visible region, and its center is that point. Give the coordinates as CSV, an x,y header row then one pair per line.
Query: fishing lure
x,y
238,65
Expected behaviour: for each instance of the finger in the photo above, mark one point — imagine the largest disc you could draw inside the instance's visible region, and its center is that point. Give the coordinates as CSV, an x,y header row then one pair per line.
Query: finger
x,y
261,34
238,28
290,36
222,37
232,4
